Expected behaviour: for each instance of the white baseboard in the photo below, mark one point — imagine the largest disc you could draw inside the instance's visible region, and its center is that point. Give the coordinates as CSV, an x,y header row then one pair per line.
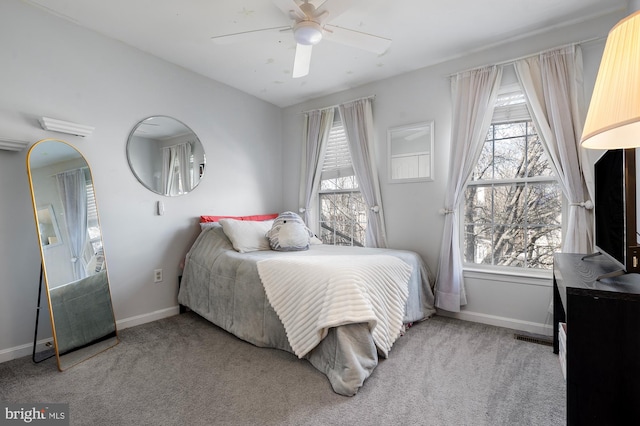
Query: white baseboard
x,y
149,317
24,350
511,323
27,349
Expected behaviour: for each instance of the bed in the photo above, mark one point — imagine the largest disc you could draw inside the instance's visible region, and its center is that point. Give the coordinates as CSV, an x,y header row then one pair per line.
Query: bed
x,y
223,285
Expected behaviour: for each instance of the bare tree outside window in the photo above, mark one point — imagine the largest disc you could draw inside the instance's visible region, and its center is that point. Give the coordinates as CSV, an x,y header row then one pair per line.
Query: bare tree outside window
x,y
343,219
513,204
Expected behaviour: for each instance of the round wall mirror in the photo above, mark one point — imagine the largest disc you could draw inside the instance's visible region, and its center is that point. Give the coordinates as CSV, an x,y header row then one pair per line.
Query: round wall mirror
x,y
165,155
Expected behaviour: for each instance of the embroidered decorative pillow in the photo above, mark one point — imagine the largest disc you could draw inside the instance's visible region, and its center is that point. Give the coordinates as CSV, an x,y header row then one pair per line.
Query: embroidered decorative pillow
x,y
289,233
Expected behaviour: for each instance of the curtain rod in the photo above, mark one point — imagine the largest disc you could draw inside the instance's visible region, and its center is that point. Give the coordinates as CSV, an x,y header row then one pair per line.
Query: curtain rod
x,y
511,61
337,105
192,143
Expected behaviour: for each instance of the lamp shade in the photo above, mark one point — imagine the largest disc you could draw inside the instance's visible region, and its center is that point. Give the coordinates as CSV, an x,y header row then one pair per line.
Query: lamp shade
x,y
613,119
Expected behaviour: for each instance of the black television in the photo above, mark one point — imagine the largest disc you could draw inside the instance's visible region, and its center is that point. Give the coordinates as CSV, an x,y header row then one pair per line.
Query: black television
x,y
615,208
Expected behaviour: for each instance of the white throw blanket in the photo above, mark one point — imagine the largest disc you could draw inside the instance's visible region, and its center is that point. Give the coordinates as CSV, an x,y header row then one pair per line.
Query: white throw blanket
x,y
312,294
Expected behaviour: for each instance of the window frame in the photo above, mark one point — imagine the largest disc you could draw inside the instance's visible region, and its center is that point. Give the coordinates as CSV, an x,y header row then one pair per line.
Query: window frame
x,y
352,223
337,173
508,114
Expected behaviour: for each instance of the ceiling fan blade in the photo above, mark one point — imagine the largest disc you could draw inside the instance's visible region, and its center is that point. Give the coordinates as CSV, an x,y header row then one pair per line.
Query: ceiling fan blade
x,y
245,35
289,6
335,8
353,38
302,60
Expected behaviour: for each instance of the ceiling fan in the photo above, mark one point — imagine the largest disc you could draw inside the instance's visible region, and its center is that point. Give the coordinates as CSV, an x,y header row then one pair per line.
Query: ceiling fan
x,y
310,27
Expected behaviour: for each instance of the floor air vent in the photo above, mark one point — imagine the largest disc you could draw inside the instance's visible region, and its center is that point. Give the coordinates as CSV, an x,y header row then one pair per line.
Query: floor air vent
x,y
533,338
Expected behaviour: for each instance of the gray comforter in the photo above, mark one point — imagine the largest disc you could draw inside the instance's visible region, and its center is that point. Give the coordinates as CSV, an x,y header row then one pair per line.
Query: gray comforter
x,y
223,286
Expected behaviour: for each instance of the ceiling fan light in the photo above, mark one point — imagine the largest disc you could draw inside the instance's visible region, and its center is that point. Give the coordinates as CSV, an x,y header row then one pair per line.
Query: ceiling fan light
x,y
307,33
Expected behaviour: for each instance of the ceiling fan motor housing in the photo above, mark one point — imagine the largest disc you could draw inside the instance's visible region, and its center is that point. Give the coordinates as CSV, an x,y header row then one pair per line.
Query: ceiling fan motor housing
x,y
307,32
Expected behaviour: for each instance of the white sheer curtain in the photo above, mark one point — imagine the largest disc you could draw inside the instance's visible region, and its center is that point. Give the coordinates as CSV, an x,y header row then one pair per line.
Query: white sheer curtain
x,y
176,169
72,187
357,119
316,133
552,83
474,94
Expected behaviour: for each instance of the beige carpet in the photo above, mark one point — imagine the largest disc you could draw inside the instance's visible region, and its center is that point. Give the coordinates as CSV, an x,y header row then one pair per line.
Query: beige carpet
x,y
185,371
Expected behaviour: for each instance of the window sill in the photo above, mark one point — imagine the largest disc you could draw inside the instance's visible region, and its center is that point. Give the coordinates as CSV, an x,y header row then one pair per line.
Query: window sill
x,y
531,277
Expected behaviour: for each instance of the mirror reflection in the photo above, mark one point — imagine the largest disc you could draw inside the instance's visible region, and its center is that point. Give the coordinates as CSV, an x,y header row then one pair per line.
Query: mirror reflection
x,y
48,225
410,151
73,261
165,155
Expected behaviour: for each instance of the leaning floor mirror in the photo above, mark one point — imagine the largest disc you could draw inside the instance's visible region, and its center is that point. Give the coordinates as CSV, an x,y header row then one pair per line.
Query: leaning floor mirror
x,y
74,266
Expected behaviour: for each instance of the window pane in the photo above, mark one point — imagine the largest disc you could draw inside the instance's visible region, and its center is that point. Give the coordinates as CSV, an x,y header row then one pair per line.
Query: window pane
x,y
343,218
478,244
544,203
508,204
484,167
510,158
510,130
339,183
502,242
543,241
538,163
508,243
479,203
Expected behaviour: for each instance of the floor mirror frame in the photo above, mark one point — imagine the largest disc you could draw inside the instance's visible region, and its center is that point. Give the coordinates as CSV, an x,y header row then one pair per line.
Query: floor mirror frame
x,y
94,282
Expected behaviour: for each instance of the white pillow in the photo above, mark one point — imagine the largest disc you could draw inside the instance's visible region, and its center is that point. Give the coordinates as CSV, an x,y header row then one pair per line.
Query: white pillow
x,y
247,235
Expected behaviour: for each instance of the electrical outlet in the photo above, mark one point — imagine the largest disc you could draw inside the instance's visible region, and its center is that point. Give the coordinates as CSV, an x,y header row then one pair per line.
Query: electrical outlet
x,y
157,275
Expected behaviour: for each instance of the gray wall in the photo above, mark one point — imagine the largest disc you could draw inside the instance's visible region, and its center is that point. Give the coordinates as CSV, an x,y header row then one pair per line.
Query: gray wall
x,y
51,67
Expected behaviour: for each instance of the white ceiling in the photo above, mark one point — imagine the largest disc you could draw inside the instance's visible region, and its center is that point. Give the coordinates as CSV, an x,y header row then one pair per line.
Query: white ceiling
x,y
51,152
424,32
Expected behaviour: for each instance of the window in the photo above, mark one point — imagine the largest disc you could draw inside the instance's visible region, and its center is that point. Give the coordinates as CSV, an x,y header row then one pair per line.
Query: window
x,y
178,184
513,203
343,215
92,254
93,227
178,171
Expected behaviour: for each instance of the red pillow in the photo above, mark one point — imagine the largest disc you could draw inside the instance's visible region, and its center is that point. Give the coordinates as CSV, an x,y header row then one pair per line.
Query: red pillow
x,y
258,217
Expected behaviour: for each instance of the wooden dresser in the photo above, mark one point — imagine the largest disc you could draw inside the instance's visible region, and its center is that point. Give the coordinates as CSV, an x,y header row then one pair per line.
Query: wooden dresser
x,y
602,339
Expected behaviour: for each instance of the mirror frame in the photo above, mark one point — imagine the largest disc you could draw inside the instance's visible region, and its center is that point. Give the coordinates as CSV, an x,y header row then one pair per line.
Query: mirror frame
x,y
74,354
423,130
199,165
